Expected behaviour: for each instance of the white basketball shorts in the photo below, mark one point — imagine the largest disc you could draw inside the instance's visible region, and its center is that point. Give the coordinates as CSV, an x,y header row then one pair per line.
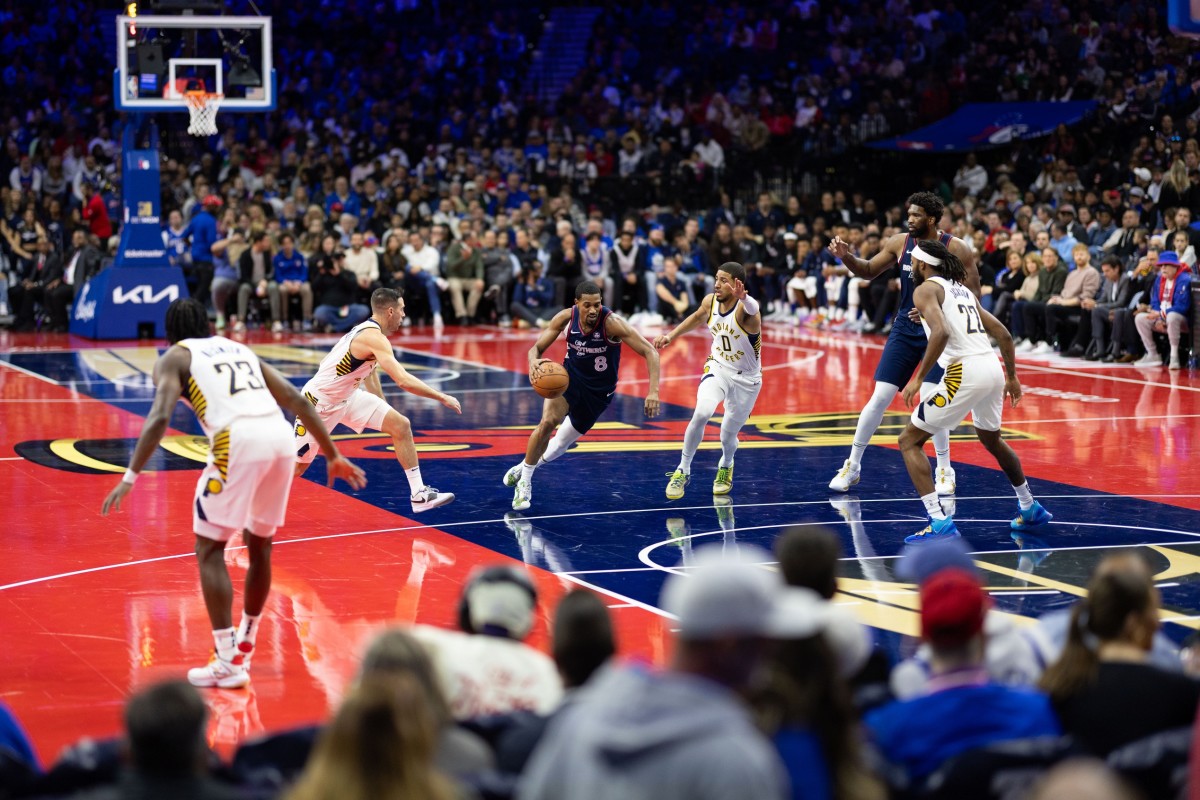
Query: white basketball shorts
x,y
973,386
246,483
361,412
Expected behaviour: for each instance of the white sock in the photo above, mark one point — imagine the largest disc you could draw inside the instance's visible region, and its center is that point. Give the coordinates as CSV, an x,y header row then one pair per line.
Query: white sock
x,y
941,447
415,484
527,471
226,640
685,463
869,419
248,630
1024,496
933,505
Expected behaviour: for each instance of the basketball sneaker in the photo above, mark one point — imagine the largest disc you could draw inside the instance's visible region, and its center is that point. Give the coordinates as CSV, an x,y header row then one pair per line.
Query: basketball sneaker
x,y
936,529
846,477
219,675
724,481
513,475
675,486
430,497
522,495
847,507
1032,517
944,481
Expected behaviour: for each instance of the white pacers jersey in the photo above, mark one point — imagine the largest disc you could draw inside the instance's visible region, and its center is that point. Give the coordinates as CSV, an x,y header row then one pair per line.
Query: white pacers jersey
x,y
340,372
225,383
967,336
732,347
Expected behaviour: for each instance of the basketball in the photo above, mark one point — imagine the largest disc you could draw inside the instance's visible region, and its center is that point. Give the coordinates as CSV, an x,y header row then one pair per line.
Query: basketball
x,y
550,380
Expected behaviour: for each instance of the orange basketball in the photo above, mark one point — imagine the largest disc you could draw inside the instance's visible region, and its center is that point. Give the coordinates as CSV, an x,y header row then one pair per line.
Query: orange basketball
x,y
550,380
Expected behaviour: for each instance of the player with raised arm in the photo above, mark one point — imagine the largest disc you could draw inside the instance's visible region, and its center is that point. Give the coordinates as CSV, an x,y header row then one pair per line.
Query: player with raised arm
x,y
594,337
346,389
906,343
732,373
245,485
972,383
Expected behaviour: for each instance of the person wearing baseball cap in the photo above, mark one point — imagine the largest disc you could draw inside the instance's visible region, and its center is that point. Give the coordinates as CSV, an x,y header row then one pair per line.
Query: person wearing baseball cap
x,y
202,231
1168,310
640,734
964,708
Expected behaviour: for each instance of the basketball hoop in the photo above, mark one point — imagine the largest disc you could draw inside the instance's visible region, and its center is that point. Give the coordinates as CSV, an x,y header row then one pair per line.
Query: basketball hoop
x,y
203,106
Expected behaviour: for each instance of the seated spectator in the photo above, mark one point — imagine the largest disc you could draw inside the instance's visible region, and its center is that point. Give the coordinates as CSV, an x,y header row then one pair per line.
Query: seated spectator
x,y
464,272
803,703
291,273
168,755
627,270
1008,280
581,643
1124,334
1114,294
392,263
1011,657
485,667
44,273
963,708
1102,687
363,261
380,744
590,264
674,301
256,276
334,291
80,264
1032,308
1065,310
533,298
1168,310
635,733
424,268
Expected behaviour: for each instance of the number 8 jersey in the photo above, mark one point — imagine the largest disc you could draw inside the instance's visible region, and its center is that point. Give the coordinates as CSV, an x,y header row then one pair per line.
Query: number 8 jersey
x,y
967,336
225,383
592,357
732,347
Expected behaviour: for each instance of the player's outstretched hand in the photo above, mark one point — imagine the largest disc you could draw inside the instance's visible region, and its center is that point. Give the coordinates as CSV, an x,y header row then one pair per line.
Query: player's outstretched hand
x,y
113,500
661,341
652,404
839,248
351,473
450,403
911,391
1012,389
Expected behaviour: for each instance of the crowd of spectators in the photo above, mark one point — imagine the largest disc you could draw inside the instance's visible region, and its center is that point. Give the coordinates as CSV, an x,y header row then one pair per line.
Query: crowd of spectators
x,y
485,204
771,691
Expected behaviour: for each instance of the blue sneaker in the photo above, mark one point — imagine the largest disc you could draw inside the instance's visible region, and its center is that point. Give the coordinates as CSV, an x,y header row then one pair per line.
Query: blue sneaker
x,y
936,530
1032,517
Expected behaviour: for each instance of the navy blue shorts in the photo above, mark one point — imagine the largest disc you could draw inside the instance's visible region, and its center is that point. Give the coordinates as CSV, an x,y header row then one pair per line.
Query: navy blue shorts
x,y
585,405
902,355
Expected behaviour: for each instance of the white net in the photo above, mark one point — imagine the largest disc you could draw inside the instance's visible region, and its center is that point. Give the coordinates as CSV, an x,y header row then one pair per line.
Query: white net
x,y
203,108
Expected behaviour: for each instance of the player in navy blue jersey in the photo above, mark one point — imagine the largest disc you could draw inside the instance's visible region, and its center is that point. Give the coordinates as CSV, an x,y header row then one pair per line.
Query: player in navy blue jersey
x,y
594,337
906,344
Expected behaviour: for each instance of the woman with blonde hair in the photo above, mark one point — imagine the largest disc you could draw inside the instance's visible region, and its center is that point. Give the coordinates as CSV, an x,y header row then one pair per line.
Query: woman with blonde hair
x,y
1026,293
380,746
1176,190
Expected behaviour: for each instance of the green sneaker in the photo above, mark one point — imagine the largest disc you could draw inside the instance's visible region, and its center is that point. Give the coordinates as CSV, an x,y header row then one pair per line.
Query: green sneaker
x,y
675,486
724,482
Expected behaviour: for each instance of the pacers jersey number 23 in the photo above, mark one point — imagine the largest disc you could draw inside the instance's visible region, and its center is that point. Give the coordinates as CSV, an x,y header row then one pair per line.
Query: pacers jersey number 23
x,y
225,383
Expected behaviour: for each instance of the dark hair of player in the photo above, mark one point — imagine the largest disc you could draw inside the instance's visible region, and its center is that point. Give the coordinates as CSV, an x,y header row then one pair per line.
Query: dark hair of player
x,y
383,299
187,319
733,270
587,287
951,267
929,202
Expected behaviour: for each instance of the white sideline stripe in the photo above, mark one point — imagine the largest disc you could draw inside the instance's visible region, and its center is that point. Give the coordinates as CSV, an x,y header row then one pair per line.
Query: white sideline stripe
x,y
628,601
30,373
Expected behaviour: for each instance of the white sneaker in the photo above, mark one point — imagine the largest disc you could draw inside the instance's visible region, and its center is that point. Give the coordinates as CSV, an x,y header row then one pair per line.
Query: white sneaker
x,y
522,495
220,321
1149,360
430,497
239,327
438,324
277,327
1175,363
944,481
442,284
1025,346
1043,348
513,475
846,477
846,506
219,675
245,654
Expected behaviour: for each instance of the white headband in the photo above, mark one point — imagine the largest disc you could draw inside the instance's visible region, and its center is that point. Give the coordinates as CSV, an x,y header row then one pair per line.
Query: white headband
x,y
917,252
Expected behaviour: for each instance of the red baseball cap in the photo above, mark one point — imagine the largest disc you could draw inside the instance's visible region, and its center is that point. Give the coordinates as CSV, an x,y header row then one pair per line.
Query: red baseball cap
x,y
953,606
212,200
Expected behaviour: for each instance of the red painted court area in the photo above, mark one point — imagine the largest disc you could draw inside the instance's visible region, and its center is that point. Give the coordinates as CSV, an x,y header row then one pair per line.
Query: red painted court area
x,y
92,608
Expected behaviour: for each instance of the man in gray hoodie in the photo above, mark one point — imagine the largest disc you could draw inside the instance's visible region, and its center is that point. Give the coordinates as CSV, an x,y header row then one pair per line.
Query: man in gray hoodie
x,y
635,733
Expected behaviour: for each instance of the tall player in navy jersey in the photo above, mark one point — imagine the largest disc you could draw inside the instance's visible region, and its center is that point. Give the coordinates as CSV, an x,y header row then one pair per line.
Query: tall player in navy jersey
x,y
594,338
906,344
